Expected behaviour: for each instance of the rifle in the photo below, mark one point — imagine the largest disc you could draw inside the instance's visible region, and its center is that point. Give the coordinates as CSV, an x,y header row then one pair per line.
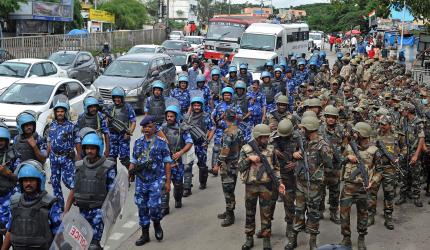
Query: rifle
x,y
266,166
383,148
336,153
117,125
360,164
406,128
304,164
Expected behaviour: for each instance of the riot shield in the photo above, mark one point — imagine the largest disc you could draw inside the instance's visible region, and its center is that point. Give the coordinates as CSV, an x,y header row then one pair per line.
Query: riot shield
x,y
114,202
172,101
196,93
75,233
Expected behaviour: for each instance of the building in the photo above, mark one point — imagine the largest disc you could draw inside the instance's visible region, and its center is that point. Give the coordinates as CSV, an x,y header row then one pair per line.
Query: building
x,y
291,14
185,10
257,11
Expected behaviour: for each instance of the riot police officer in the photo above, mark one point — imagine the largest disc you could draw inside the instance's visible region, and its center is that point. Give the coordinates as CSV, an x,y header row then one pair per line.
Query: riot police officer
x,y
216,84
119,139
269,90
35,215
244,75
232,76
155,104
242,100
201,85
182,94
94,178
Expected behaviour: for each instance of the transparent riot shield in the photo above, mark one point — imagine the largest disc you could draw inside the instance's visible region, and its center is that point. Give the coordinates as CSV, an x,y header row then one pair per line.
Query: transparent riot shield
x,y
172,101
196,93
75,233
114,202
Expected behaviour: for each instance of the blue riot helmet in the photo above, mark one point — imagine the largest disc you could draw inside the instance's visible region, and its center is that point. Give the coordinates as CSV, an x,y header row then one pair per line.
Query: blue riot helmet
x,y
175,109
339,55
198,99
183,78
31,169
4,132
265,74
293,58
323,54
93,139
278,69
232,68
243,66
227,90
240,85
215,71
200,78
290,53
283,63
24,118
269,63
118,91
313,62
90,101
301,61
158,85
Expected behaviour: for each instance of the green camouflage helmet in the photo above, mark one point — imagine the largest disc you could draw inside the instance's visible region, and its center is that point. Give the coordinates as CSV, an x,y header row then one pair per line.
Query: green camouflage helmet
x,y
310,123
285,127
309,113
282,99
363,128
314,102
331,110
261,130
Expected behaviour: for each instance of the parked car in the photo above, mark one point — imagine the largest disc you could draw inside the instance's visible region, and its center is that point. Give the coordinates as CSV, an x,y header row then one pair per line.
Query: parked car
x,y
180,58
177,45
176,35
147,48
135,74
196,42
80,65
16,69
37,94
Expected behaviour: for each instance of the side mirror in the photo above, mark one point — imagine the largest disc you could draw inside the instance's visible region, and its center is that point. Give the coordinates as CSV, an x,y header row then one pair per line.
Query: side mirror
x,y
79,63
155,73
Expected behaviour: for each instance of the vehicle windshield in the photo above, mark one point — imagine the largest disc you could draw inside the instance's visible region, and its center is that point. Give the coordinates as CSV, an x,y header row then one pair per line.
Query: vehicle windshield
x,y
175,45
179,60
131,69
24,94
314,36
194,40
258,42
62,59
225,31
254,65
14,69
136,50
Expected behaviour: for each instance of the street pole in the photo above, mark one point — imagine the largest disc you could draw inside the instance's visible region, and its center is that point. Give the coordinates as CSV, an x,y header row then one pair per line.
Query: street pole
x,y
403,23
229,7
95,4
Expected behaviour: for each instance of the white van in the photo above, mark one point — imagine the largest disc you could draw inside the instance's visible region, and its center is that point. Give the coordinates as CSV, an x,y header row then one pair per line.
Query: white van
x,y
264,37
256,60
297,37
316,40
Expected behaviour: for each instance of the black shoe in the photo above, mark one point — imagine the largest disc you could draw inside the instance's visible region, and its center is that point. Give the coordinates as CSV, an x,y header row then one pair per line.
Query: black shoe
x,y
158,231
229,219
144,238
95,245
178,204
165,211
400,201
418,203
202,186
427,194
187,192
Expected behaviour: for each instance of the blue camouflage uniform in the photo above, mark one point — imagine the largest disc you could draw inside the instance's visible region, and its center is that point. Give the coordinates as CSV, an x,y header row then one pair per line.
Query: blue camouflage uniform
x,y
258,101
118,145
200,149
224,68
183,97
5,198
94,215
216,95
270,91
62,138
148,191
302,76
247,79
291,86
192,75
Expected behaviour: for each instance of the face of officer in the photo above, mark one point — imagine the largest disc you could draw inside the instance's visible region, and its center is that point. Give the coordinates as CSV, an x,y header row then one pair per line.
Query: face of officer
x,y
240,91
171,118
282,107
289,75
149,129
60,114
92,110
331,120
117,100
385,127
242,71
197,107
3,143
183,85
28,128
278,74
255,86
263,141
157,92
30,185
302,67
266,79
316,110
215,77
91,152
226,97
200,84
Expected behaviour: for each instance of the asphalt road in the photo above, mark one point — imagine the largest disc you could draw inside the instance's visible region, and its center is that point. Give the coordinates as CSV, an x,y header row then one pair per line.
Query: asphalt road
x,y
195,225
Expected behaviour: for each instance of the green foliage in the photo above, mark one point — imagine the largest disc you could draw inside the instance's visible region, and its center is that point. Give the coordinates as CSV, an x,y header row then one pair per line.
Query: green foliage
x,y
205,10
130,14
78,21
7,6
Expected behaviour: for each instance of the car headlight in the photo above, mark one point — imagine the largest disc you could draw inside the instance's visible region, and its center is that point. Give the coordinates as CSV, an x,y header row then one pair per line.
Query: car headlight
x,y
134,92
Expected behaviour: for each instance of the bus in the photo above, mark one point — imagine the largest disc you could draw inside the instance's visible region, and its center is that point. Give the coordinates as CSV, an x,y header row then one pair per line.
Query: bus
x,y
224,35
297,37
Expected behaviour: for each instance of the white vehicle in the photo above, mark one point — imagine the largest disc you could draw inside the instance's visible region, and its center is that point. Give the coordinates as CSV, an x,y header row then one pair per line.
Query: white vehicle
x,y
196,42
147,48
16,69
176,35
316,40
37,94
256,60
278,38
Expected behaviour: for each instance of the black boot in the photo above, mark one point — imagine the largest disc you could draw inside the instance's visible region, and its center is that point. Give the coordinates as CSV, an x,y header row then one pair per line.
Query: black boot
x,y
222,216
292,241
229,219
165,208
144,238
334,217
158,230
203,177
249,243
177,194
187,192
95,245
188,183
401,200
418,202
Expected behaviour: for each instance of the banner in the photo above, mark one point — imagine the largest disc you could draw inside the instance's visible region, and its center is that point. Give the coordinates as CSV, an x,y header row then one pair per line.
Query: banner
x,y
101,16
53,11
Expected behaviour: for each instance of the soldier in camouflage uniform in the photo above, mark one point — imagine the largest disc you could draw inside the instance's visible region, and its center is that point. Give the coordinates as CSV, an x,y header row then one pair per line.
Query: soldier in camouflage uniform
x,y
413,128
279,113
227,163
308,195
354,190
259,187
394,144
284,140
333,135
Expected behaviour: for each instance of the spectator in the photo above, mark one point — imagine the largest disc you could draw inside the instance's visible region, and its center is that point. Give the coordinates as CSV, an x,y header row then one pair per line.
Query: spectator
x,y
184,69
193,28
208,69
371,52
331,40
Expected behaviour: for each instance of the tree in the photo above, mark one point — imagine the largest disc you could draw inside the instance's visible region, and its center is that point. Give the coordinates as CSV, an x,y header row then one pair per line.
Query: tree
x,y
420,8
78,21
205,10
8,6
130,14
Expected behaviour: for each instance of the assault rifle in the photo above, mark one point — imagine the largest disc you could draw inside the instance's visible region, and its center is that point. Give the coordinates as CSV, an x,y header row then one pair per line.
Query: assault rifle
x,y
361,168
383,148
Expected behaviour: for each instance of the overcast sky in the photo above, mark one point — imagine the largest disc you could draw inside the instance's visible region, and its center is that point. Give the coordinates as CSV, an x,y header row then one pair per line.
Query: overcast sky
x,y
283,3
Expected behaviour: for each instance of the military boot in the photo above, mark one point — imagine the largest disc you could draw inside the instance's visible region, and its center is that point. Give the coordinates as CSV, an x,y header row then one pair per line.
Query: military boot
x,y
266,244
401,200
313,242
389,221
249,243
418,202
144,238
158,231
177,194
165,209
222,216
229,219
334,217
289,229
361,245
346,241
371,220
187,192
203,177
322,215
292,241
95,245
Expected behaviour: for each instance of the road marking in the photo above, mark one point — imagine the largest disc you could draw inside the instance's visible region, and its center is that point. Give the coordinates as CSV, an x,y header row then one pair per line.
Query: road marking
x,y
129,224
116,236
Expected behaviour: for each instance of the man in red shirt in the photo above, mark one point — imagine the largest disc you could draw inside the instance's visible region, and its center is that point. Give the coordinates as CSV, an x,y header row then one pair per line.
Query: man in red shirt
x,y
331,40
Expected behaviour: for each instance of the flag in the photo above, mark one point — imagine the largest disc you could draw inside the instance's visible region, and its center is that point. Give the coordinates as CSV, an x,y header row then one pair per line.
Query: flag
x,y
372,13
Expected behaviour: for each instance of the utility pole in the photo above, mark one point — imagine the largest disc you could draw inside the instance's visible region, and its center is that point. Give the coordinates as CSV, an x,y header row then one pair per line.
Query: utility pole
x,y
403,24
261,7
229,7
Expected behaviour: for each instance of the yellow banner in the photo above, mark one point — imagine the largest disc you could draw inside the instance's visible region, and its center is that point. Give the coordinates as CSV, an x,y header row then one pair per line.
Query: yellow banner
x,y
101,16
